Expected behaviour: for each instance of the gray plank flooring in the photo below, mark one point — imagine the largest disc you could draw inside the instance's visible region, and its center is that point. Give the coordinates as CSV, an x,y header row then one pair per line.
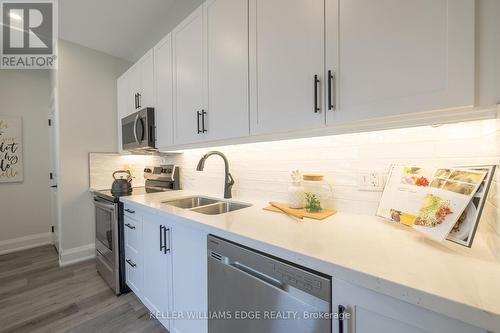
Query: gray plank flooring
x,y
36,295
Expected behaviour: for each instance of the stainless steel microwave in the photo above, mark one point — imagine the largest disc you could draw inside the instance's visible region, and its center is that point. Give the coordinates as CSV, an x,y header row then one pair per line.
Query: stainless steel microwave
x,y
138,131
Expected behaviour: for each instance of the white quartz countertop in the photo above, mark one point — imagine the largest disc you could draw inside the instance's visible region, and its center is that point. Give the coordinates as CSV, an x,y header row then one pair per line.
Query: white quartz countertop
x,y
364,250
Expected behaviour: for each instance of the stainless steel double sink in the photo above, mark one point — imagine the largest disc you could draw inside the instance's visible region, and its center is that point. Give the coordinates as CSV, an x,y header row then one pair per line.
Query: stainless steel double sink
x,y
205,205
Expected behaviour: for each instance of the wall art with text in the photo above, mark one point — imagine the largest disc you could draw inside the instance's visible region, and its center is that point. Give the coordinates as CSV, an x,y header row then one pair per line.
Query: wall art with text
x,y
11,149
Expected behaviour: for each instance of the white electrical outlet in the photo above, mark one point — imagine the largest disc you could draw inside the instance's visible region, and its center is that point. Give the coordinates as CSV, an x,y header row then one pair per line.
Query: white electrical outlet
x,y
371,181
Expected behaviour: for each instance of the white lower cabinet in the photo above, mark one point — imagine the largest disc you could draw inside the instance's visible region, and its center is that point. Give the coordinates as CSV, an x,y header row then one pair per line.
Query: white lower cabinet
x,y
189,278
371,312
133,253
167,269
157,267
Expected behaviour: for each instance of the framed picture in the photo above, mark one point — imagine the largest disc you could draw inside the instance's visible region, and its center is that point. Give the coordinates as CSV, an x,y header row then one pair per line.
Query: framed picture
x,y
11,149
465,228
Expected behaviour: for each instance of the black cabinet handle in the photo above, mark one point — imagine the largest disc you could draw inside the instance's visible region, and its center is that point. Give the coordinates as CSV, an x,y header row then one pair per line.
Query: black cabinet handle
x,y
165,239
135,101
162,240
130,211
203,114
341,313
198,114
128,225
316,104
331,92
139,96
131,263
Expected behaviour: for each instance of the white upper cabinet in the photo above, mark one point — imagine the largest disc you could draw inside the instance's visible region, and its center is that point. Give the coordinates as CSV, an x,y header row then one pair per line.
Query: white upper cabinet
x,y
210,57
286,55
135,90
141,83
189,79
398,57
164,92
135,82
147,91
226,33
235,68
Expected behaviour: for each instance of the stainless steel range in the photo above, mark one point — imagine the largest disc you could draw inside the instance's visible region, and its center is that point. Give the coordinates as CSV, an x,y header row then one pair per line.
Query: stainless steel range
x,y
110,259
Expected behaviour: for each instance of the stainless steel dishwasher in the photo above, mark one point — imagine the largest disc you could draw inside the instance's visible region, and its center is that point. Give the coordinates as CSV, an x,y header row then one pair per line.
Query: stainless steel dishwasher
x,y
251,292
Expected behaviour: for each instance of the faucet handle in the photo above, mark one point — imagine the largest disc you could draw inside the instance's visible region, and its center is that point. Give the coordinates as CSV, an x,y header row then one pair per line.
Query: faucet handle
x,y
230,179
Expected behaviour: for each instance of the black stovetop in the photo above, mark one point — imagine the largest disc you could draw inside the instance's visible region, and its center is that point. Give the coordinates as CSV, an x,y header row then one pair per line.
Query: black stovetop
x,y
106,194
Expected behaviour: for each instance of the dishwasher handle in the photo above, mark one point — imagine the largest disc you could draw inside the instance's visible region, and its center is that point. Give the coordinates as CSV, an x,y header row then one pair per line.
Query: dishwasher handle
x,y
259,276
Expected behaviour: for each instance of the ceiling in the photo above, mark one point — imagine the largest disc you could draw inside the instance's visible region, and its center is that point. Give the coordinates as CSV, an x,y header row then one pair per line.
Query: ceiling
x,y
123,28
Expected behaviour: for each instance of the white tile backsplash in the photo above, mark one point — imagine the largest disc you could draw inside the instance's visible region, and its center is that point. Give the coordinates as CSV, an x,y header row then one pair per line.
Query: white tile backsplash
x,y
103,165
262,170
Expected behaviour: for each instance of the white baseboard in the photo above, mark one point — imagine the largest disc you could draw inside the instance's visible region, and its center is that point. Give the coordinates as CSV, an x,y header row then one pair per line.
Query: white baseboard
x,y
24,243
76,254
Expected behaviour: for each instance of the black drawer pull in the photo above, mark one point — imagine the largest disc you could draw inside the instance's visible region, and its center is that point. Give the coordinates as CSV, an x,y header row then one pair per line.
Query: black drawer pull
x,y
331,91
128,225
130,211
131,263
203,114
162,245
198,114
166,237
316,104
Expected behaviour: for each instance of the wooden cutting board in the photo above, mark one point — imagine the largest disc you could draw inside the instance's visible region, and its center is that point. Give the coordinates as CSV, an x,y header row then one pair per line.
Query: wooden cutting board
x,y
299,213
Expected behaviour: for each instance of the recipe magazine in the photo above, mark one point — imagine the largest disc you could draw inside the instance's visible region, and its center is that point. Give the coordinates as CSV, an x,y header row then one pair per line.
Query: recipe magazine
x,y
431,200
464,230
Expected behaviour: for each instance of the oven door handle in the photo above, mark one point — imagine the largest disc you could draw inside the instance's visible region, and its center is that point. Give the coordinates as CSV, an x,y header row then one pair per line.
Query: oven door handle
x,y
102,205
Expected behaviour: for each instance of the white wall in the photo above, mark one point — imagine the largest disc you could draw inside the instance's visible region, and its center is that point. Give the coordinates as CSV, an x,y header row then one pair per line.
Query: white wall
x,y
26,93
87,105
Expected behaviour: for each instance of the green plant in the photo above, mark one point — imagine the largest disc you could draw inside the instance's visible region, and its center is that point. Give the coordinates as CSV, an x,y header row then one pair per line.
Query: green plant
x,y
313,204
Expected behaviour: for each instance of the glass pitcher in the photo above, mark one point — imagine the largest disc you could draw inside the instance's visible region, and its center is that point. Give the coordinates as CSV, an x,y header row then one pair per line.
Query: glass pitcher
x,y
315,184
